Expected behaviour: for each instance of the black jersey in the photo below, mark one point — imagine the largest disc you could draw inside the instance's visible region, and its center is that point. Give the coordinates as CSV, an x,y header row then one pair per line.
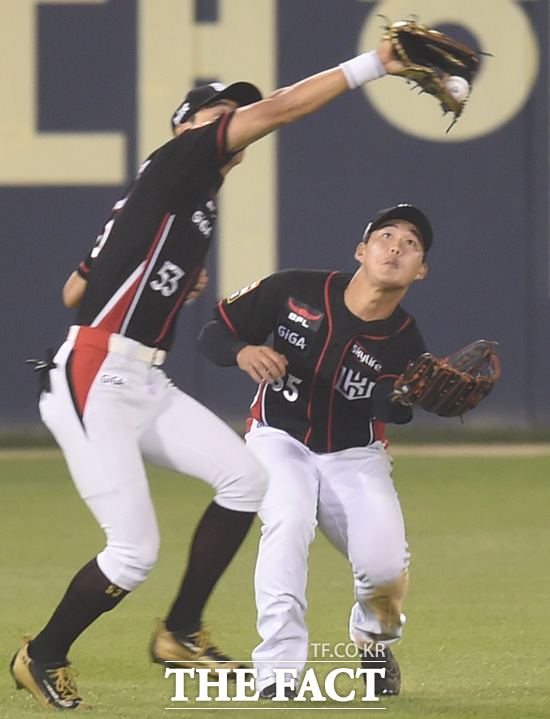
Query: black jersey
x,y
148,257
335,358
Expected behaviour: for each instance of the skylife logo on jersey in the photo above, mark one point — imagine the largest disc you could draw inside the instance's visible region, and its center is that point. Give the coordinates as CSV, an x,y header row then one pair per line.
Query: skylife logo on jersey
x,y
304,315
361,354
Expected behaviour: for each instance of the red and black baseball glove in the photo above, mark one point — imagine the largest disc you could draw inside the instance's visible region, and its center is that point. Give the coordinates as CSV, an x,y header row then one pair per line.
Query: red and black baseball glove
x,y
451,386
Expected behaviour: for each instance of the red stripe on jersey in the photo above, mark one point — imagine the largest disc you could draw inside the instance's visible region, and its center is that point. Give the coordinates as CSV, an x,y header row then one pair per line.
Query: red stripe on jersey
x,y
220,137
113,320
321,358
257,404
332,392
185,291
385,337
376,425
405,324
226,319
379,431
87,356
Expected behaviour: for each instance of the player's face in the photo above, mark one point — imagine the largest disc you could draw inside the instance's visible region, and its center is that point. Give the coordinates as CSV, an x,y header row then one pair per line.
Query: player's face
x,y
393,255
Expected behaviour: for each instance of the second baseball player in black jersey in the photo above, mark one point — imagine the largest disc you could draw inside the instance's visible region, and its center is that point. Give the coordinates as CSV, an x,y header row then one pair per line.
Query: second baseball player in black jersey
x,y
334,358
317,424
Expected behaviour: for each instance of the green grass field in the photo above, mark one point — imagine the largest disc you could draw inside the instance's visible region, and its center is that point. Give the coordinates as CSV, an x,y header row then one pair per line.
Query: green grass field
x,y
476,642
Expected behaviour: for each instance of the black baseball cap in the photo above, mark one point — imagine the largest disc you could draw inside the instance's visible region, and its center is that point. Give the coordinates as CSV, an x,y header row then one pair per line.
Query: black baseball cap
x,y
243,93
403,212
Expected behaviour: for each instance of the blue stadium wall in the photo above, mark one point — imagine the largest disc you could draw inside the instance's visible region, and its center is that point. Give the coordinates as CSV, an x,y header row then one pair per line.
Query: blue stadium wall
x,y
87,91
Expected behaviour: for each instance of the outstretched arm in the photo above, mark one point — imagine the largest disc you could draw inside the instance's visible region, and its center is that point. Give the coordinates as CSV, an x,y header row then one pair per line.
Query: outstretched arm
x,y
289,104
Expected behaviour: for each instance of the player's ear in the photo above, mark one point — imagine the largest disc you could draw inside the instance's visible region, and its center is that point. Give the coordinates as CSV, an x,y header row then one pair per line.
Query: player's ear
x,y
359,250
422,272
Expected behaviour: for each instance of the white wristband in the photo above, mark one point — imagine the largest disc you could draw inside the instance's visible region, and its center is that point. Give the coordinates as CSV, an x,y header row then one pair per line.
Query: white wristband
x,y
363,68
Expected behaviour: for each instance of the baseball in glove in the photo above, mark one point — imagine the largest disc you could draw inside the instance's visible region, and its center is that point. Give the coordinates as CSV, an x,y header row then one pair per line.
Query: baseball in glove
x,y
438,64
451,386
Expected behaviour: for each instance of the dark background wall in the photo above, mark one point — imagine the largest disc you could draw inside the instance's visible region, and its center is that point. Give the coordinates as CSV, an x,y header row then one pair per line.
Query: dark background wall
x,y
485,185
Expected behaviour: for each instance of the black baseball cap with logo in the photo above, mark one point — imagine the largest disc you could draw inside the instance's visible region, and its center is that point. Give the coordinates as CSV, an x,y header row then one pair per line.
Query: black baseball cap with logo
x,y
403,212
243,93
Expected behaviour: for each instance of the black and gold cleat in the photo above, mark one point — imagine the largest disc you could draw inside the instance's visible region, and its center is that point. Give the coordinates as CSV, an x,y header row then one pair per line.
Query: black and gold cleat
x,y
194,651
52,685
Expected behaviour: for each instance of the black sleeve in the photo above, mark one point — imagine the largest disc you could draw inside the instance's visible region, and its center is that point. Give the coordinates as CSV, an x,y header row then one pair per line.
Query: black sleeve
x,y
384,409
219,344
251,313
190,156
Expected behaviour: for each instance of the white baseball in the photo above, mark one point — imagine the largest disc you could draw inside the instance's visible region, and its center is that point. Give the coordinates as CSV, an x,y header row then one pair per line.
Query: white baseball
x,y
458,87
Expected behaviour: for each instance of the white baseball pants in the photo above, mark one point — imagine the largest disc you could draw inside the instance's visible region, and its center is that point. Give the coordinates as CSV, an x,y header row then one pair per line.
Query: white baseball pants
x,y
350,495
111,412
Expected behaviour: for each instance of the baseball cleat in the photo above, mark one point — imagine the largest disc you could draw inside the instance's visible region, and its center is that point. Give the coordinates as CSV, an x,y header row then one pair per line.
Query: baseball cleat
x,y
52,685
193,651
390,684
270,691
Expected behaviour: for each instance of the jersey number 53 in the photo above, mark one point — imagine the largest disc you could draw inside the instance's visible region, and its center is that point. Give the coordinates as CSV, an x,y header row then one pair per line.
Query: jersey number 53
x,y
169,276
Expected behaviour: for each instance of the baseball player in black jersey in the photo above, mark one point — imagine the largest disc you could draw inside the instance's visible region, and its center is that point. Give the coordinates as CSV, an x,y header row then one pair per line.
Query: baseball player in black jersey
x,y
111,407
317,423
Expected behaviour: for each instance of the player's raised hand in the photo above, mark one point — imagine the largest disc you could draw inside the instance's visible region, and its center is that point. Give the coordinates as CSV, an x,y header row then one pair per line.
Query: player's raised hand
x,y
262,363
388,58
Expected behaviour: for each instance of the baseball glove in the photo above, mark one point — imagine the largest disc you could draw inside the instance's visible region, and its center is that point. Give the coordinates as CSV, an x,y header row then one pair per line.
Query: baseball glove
x,y
434,61
451,386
